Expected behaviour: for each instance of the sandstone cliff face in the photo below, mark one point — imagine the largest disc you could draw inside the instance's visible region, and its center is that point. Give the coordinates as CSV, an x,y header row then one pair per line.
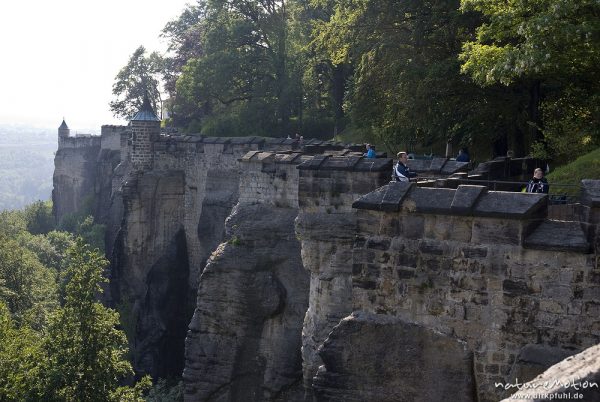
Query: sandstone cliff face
x,y
326,225
416,364
74,180
150,273
481,277
244,339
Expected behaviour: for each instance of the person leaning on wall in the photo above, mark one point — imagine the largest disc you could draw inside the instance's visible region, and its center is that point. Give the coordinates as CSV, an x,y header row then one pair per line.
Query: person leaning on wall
x,y
538,184
401,171
370,151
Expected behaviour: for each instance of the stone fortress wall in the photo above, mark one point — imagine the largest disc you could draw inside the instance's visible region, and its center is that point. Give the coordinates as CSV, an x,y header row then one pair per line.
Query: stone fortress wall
x,y
368,266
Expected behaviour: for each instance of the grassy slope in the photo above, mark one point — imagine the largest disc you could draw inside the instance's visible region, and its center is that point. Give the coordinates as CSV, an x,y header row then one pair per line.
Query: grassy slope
x,y
585,167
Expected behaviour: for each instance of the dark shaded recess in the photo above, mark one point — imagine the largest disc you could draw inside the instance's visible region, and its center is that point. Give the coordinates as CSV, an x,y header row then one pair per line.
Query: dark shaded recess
x,y
107,162
264,297
167,301
211,227
113,274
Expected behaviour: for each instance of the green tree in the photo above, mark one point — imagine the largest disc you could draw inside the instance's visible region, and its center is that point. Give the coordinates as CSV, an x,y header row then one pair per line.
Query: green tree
x,y
552,47
184,37
244,82
141,75
406,88
26,286
39,217
85,353
20,356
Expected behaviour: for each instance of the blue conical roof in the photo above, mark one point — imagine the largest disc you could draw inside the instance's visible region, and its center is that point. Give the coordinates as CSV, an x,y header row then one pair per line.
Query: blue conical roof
x,y
63,125
146,112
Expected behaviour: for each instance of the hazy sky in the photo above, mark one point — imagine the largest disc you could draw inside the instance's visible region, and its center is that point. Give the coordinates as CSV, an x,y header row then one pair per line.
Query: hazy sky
x,y
60,57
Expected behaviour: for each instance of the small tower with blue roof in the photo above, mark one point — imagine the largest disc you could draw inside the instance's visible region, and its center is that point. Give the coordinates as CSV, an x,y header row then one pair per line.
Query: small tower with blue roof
x,y
145,131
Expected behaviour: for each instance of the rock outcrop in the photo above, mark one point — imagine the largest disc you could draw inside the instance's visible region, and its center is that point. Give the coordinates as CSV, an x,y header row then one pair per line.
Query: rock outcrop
x,y
575,378
374,357
244,339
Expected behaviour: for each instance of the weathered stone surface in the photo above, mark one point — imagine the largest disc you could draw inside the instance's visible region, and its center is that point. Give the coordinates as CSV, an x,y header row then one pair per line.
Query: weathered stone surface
x,y
74,179
533,360
244,340
386,198
377,358
512,205
465,198
558,235
591,193
150,271
575,378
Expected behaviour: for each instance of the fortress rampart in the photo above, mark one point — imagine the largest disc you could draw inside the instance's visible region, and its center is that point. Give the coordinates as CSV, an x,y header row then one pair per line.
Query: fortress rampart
x,y
232,256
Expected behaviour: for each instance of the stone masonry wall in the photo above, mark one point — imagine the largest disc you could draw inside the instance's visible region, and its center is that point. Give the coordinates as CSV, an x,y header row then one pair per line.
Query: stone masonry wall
x,y
111,137
326,227
483,268
270,178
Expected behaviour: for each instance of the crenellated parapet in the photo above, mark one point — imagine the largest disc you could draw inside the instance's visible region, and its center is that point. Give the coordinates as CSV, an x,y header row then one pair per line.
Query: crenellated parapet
x,y
465,266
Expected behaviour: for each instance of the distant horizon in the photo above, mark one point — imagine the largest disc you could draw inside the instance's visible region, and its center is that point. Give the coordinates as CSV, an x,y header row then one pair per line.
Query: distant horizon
x,y
67,55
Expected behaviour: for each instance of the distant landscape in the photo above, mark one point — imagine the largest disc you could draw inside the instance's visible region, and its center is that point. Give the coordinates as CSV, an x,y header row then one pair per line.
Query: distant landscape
x,y
26,164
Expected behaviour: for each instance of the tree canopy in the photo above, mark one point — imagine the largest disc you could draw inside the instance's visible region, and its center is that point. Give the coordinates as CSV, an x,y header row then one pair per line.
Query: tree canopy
x,y
411,74
55,348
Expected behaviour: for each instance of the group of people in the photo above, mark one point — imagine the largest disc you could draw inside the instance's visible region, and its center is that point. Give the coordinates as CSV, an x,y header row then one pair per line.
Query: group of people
x,y
401,171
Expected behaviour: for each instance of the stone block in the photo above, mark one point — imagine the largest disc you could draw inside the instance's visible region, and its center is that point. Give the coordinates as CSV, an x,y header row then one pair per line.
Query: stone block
x,y
512,205
431,200
496,231
474,252
465,198
371,357
516,288
558,236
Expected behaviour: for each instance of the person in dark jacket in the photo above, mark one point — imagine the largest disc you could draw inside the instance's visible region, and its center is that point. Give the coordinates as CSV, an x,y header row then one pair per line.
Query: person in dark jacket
x,y
402,172
463,155
538,184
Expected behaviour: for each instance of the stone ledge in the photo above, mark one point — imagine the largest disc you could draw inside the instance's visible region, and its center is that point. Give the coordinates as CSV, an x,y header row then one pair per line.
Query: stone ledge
x,y
387,198
465,198
347,163
558,236
469,200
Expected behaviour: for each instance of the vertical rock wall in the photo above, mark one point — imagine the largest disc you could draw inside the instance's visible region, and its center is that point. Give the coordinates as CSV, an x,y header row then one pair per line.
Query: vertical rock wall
x,y
150,271
244,339
74,179
326,227
480,275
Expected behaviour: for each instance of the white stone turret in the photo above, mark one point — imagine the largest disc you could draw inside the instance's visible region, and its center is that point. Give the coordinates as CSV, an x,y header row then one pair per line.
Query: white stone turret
x,y
145,131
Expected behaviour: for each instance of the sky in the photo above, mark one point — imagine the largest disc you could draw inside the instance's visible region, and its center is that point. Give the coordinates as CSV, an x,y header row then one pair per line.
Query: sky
x,y
59,58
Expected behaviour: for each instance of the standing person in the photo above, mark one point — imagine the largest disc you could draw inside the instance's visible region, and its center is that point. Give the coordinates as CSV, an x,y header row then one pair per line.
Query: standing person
x,y
538,184
370,151
401,171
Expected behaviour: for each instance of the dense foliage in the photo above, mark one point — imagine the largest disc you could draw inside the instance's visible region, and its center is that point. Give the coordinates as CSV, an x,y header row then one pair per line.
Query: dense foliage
x,y
58,342
412,74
